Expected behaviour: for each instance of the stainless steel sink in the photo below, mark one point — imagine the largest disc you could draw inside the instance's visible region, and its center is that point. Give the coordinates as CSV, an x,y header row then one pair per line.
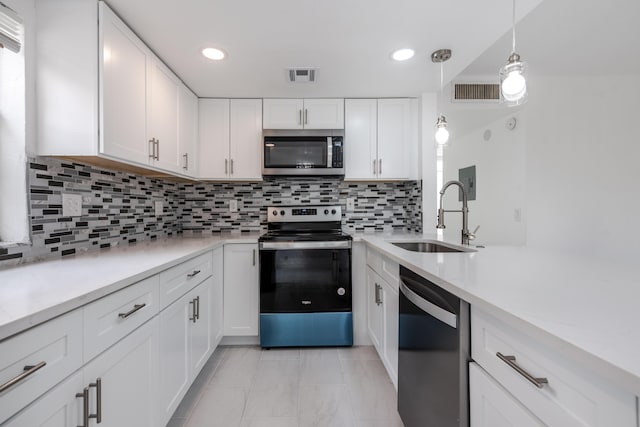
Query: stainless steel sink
x,y
428,247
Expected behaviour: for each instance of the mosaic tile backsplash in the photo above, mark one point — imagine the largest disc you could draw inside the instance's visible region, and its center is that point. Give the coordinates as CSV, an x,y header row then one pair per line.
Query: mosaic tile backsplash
x,y
119,208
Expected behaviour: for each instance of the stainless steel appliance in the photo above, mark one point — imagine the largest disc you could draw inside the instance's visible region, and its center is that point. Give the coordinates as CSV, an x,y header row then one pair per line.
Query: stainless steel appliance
x,y
305,278
302,153
433,355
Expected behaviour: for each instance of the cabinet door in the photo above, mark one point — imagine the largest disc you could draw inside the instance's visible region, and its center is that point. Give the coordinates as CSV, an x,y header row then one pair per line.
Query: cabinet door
x,y
241,290
492,406
217,296
162,110
187,130
361,134
375,311
57,408
283,113
394,137
246,139
390,304
323,113
200,343
124,61
127,373
213,138
173,358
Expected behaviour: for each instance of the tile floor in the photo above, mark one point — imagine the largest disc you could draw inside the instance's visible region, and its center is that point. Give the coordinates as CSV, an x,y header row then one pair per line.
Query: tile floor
x,y
251,387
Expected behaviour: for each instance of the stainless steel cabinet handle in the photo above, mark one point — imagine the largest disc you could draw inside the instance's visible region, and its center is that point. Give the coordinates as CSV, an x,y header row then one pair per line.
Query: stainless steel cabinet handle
x,y
299,117
197,315
152,148
511,361
377,294
133,310
193,317
254,257
195,273
158,149
231,166
85,406
374,167
226,166
186,161
27,371
306,116
380,166
98,387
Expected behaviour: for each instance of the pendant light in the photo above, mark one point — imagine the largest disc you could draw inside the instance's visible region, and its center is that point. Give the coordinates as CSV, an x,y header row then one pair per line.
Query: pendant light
x,y
442,132
513,84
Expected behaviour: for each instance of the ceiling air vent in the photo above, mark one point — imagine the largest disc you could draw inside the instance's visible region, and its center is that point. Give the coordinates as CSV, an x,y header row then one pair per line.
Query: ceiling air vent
x,y
302,75
476,92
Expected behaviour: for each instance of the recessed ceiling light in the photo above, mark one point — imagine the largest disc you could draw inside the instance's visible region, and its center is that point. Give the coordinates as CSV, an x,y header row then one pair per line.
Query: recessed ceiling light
x,y
213,53
402,54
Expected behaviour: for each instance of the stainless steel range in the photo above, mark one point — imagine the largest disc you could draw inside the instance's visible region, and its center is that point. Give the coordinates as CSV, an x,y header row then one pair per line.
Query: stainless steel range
x,y
305,278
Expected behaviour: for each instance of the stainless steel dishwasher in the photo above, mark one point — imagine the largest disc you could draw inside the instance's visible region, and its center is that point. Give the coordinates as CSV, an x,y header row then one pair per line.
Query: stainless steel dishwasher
x,y
433,356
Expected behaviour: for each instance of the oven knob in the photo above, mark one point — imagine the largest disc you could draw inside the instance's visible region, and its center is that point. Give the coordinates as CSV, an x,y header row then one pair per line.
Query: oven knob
x,y
326,211
275,213
341,291
333,211
282,213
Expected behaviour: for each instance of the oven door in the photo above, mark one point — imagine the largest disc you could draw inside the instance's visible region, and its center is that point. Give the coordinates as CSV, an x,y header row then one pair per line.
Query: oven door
x,y
305,277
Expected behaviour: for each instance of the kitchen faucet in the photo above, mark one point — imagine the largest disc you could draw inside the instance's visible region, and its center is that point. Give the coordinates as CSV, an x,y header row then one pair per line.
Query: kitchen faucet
x,y
466,235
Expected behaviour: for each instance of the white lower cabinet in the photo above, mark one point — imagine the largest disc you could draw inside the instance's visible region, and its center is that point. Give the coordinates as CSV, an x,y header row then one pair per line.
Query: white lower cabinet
x,y
241,289
186,342
382,321
122,381
492,406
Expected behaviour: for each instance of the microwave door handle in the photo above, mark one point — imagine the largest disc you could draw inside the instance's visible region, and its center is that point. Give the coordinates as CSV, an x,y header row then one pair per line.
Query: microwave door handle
x,y
329,152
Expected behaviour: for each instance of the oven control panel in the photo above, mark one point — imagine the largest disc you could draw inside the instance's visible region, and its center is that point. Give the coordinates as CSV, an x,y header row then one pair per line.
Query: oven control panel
x,y
304,213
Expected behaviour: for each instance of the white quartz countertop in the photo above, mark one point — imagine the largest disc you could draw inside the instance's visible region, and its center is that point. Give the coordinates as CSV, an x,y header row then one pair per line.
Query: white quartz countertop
x,y
585,309
34,293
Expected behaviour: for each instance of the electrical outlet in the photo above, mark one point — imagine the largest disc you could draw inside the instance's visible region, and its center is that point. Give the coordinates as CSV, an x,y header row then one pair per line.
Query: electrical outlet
x,y
233,206
517,215
351,204
71,204
159,207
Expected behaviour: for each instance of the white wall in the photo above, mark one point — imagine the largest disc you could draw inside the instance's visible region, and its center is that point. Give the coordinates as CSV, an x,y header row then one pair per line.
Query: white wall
x,y
583,165
575,155
17,113
428,161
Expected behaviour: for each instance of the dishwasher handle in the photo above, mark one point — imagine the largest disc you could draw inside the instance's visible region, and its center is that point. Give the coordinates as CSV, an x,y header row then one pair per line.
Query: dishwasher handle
x,y
428,307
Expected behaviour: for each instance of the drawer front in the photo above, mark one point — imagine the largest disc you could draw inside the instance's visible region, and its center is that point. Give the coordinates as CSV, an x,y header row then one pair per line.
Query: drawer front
x,y
57,343
388,269
180,279
111,318
572,396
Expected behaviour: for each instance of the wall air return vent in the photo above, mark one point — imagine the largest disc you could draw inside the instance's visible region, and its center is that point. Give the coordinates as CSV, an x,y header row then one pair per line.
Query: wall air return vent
x,y
476,92
302,75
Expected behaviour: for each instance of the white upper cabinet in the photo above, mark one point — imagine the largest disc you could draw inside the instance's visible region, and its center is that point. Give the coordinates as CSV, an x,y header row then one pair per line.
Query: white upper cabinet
x,y
187,130
124,60
381,139
162,121
230,139
304,113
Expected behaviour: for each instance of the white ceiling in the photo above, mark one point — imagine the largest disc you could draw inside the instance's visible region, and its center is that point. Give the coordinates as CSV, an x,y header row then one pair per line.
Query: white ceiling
x,y
572,37
350,41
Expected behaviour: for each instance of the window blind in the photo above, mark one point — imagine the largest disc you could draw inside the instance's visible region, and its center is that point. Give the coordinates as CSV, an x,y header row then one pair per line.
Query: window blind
x,y
10,29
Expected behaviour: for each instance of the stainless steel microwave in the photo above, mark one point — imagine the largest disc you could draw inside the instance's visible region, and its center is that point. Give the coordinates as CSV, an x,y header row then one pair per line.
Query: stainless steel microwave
x,y
302,153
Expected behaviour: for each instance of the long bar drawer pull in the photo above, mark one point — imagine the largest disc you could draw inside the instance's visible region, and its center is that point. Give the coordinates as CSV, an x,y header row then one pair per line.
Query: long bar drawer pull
x,y
195,273
28,370
133,310
511,361
85,406
98,415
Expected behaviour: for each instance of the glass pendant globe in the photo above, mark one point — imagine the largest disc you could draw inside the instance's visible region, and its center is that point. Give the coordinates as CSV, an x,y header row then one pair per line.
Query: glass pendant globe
x,y
513,84
442,135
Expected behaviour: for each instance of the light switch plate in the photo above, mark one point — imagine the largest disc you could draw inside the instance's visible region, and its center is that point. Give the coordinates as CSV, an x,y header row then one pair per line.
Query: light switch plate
x,y
71,204
233,206
351,204
159,207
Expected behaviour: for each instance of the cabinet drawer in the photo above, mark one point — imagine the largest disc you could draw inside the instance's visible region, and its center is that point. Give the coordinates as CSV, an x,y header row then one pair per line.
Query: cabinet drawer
x,y
57,343
388,269
111,318
178,280
572,396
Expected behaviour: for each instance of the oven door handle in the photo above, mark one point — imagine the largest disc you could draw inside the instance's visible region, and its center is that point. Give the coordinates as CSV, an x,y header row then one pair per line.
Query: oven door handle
x,y
285,246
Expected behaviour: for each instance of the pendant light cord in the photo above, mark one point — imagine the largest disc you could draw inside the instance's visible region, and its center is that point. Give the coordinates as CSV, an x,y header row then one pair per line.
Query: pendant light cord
x,y
513,32
441,84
